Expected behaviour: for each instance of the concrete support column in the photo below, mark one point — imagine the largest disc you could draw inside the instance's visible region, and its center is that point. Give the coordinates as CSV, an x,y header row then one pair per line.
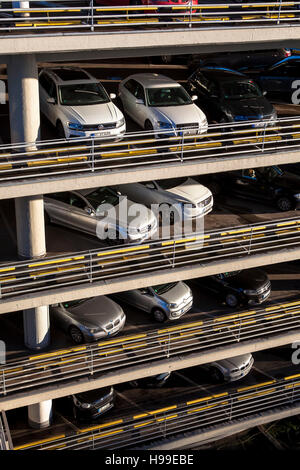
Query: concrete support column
x,y
24,110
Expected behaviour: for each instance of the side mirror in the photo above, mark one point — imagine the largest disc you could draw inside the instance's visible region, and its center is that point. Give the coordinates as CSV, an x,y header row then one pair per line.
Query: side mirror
x,y
194,97
112,96
89,211
51,100
139,101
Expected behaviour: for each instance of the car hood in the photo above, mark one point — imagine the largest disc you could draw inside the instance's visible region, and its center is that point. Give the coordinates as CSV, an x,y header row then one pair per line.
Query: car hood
x,y
235,362
93,114
179,292
249,279
97,311
191,190
186,114
255,108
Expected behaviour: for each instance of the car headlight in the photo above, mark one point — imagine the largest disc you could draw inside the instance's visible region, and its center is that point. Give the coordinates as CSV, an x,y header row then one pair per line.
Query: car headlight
x,y
94,330
75,126
297,196
85,405
165,125
121,122
249,292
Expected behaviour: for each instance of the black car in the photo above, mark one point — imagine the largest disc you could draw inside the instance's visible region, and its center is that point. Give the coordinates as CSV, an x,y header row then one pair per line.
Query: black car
x,y
278,80
93,403
267,184
240,60
247,287
228,96
155,381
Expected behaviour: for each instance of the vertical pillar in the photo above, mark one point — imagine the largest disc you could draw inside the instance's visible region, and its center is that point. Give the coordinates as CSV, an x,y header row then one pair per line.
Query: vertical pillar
x,y
24,112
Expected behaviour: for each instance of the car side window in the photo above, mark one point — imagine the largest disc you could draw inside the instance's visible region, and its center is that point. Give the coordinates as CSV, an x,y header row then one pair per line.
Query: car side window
x,y
77,201
45,82
130,86
139,92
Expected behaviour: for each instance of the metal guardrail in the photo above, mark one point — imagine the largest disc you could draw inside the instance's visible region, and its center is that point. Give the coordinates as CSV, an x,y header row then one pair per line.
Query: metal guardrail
x,y
5,438
90,360
141,150
197,414
89,16
123,261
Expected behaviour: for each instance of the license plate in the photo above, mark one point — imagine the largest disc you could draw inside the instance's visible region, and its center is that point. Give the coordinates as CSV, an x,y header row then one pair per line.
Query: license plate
x,y
102,134
103,408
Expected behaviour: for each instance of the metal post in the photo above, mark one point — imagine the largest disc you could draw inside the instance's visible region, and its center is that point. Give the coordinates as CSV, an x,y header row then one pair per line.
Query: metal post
x,y
173,259
191,13
279,11
182,145
93,154
250,243
92,15
264,136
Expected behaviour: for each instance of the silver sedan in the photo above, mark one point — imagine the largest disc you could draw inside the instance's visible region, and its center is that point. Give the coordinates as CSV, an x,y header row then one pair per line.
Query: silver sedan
x,y
88,320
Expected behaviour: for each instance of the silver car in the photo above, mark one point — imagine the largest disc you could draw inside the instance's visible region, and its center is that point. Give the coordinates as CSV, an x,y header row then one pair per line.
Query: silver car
x,y
88,320
80,210
231,369
194,199
165,301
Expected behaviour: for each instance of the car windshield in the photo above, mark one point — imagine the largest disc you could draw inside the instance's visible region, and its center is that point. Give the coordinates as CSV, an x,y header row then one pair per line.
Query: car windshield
x,y
270,172
82,94
171,183
231,274
102,196
168,96
240,89
162,288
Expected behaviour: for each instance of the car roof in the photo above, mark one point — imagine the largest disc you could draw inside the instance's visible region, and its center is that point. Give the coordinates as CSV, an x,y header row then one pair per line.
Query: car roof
x,y
69,75
221,73
153,80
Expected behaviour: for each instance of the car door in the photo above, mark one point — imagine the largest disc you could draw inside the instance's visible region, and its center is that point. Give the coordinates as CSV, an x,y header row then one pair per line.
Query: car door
x,y
243,184
128,98
81,214
47,89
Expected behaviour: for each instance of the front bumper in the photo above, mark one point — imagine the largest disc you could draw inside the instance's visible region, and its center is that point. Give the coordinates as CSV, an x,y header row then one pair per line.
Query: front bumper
x,y
181,310
140,237
233,376
258,298
116,133
93,412
91,337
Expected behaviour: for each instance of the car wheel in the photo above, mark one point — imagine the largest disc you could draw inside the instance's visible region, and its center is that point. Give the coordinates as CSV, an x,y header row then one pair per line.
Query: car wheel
x,y
60,130
231,300
216,375
159,315
76,334
284,204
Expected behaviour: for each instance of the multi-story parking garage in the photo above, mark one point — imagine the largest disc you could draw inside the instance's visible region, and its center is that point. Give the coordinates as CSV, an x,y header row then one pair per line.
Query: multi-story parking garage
x,y
46,264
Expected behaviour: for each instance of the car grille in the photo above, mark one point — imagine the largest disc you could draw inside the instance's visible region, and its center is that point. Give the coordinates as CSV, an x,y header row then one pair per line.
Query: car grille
x,y
112,324
265,288
191,125
95,127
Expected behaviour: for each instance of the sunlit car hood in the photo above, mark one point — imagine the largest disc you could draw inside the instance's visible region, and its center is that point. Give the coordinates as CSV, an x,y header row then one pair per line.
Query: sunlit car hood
x,y
235,362
191,191
186,114
176,294
93,114
97,311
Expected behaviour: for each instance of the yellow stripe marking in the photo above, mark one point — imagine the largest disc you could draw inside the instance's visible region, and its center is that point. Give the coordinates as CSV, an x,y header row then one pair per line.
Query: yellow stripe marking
x,y
122,340
136,248
243,389
100,426
292,377
56,261
199,400
161,410
43,441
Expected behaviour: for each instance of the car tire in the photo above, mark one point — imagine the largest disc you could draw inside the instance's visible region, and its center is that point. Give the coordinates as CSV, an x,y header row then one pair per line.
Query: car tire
x,y
216,375
76,335
231,300
284,204
60,130
159,315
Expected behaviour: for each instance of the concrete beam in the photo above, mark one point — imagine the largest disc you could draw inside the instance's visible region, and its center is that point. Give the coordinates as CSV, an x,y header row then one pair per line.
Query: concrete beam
x,y
111,286
116,44
210,434
139,371
69,182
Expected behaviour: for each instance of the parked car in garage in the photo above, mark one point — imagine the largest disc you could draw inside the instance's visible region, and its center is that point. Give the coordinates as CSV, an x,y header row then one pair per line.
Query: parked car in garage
x,y
195,199
164,302
239,60
229,96
93,403
156,102
247,287
78,105
80,210
231,369
155,381
269,185
278,79
88,320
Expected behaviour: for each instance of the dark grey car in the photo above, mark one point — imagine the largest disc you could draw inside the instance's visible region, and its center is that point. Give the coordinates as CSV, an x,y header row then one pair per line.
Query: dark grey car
x,y
88,320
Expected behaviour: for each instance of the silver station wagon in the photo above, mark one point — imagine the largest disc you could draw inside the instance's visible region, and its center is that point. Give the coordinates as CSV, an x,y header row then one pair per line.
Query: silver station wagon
x,y
164,302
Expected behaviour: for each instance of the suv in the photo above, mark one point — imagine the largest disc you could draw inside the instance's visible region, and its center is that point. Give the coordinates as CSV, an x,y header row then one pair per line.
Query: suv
x,y
77,104
165,301
229,96
268,185
247,287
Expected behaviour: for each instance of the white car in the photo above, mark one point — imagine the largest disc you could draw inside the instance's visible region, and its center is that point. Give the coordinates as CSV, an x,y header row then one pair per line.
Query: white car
x,y
231,369
196,200
77,104
158,102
